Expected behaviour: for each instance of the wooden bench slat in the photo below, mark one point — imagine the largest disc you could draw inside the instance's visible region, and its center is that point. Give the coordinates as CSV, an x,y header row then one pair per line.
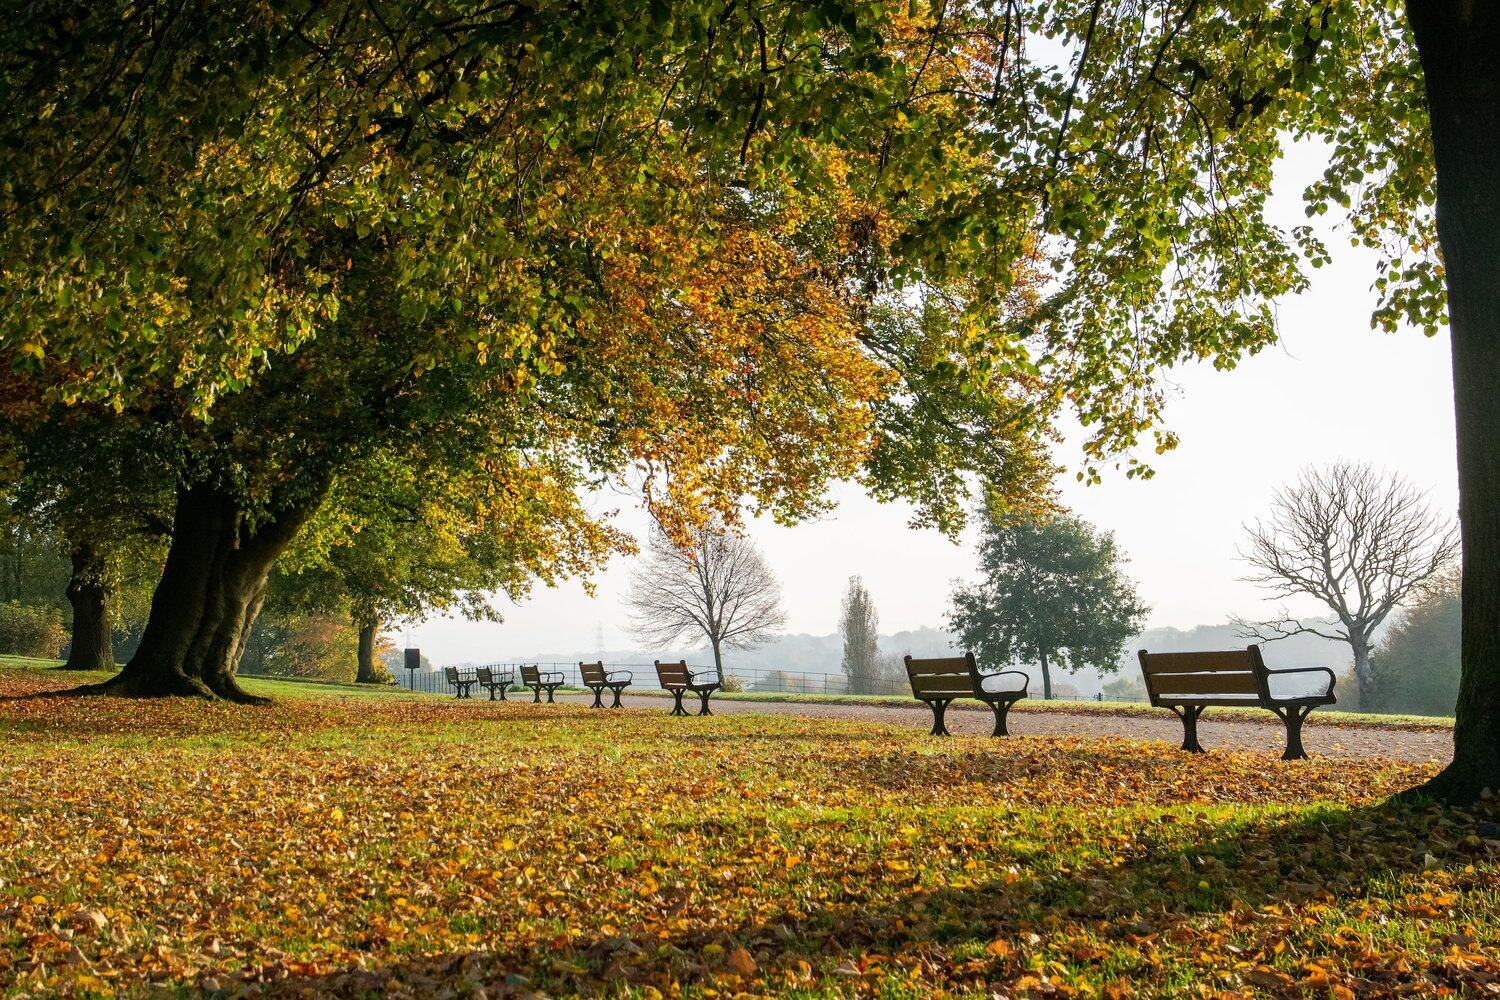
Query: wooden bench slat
x,y
1224,682
956,685
1187,663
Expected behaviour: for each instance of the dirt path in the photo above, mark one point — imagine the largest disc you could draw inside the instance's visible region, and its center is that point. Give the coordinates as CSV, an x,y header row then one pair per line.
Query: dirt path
x,y
1320,738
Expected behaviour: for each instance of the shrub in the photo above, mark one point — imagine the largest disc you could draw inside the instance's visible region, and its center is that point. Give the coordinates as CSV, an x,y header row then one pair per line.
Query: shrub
x,y
1417,666
732,684
27,630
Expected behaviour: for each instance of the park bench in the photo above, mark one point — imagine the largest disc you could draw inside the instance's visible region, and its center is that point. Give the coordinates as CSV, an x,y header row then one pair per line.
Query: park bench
x,y
540,680
940,680
496,680
461,683
596,679
1187,683
678,679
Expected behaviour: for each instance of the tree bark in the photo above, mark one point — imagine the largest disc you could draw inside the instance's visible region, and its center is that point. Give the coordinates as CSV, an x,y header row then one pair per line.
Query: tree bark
x,y
367,673
210,592
1458,42
718,658
91,646
1364,674
1046,677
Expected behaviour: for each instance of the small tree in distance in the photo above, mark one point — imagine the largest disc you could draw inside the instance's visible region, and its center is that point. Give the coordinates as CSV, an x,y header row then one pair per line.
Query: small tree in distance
x,y
859,624
1356,539
719,588
1052,593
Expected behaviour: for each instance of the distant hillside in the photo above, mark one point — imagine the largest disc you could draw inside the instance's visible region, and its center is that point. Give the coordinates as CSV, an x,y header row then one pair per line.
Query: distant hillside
x,y
821,654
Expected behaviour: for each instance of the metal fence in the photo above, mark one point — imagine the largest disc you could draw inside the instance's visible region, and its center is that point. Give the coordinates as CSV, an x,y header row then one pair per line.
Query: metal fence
x,y
760,679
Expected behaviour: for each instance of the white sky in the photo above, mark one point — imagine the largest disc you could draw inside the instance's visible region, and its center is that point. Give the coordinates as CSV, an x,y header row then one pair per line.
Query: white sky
x,y
1333,389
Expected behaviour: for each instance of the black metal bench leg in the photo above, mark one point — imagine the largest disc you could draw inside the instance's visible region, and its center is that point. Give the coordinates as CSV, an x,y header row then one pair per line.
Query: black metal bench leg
x,y
1189,716
939,709
536,695
616,691
550,689
677,708
703,697
598,696
1293,717
503,688
1000,708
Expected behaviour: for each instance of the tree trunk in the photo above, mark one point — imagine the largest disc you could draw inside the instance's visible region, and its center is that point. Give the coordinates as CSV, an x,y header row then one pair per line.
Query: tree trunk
x,y
1459,45
1364,674
1046,677
718,658
91,647
367,673
210,592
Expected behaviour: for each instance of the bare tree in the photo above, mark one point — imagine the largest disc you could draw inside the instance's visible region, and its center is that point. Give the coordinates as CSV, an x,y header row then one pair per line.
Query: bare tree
x,y
859,622
720,588
1361,541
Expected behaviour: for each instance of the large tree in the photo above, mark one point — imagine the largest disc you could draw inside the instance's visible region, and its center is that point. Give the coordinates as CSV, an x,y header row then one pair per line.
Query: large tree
x,y
675,250
1359,541
716,586
1052,594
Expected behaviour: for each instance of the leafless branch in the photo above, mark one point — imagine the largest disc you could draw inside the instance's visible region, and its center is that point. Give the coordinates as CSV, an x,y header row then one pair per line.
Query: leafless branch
x,y
1358,540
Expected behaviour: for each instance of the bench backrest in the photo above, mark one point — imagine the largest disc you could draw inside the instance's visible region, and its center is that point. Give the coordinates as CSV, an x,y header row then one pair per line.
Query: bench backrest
x,y
483,675
1221,673
942,677
592,673
450,674
531,674
671,675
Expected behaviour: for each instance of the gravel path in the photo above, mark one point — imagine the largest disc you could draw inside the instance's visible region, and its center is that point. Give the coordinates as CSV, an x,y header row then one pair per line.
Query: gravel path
x,y
1423,746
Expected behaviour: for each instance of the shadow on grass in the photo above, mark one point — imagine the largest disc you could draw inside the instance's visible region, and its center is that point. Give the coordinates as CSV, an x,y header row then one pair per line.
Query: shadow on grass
x,y
1239,900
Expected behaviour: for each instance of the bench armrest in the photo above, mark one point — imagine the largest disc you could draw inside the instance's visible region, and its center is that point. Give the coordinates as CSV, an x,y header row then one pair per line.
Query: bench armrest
x,y
550,676
702,677
618,676
1283,671
1025,681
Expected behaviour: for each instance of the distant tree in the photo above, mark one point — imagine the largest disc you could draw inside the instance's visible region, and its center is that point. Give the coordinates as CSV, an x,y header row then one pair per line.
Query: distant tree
x,y
1417,664
393,542
1129,687
718,587
859,624
1052,593
1359,540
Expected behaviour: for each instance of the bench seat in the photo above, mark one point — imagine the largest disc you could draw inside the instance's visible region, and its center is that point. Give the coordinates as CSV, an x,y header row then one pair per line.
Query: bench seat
x,y
597,679
462,683
540,680
496,679
678,679
939,681
1187,683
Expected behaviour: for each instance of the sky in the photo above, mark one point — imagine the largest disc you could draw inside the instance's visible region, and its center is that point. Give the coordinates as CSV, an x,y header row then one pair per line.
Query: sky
x,y
1332,389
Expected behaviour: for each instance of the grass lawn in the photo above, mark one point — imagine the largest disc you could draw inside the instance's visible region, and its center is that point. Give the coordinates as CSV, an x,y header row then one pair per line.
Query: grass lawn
x,y
372,844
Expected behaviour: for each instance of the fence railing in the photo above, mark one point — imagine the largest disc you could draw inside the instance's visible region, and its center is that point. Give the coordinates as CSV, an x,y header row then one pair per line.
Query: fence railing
x,y
760,679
